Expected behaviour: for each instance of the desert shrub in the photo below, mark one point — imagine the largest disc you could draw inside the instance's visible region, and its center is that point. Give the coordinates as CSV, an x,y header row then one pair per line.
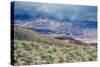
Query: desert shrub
x,y
27,60
26,46
49,51
32,52
54,50
61,60
45,42
47,58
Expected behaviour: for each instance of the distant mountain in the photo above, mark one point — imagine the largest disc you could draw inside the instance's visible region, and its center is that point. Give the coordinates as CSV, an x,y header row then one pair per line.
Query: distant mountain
x,y
49,23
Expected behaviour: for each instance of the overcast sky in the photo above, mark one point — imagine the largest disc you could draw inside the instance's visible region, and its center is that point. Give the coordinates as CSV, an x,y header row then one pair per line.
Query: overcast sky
x,y
60,12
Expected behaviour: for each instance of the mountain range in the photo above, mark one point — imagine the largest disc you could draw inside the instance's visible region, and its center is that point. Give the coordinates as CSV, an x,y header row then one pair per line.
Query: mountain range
x,y
52,27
